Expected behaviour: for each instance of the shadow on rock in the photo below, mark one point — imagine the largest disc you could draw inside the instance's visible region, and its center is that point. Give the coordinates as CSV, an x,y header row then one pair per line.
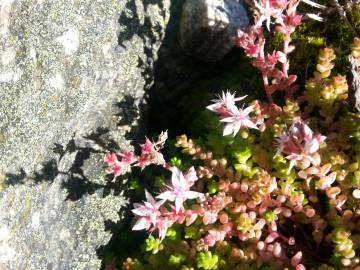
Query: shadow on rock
x,y
134,24
80,162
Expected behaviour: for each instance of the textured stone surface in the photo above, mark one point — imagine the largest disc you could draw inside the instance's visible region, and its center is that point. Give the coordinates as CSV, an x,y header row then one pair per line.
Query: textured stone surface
x,y
73,76
61,69
353,78
208,26
49,237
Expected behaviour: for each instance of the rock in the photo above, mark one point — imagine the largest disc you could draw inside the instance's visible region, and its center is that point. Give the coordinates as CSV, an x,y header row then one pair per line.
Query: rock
x,y
353,78
73,77
207,27
39,230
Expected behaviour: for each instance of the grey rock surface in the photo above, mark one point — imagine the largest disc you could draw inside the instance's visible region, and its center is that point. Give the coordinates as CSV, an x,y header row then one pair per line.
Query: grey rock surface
x,y
207,27
41,232
353,79
73,77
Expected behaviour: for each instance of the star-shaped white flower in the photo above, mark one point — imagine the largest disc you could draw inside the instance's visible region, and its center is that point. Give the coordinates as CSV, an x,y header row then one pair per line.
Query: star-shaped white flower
x,y
180,191
238,119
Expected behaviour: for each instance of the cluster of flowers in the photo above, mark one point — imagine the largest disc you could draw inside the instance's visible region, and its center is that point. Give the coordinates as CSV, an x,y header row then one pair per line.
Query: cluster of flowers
x,y
149,155
153,215
261,208
252,40
277,194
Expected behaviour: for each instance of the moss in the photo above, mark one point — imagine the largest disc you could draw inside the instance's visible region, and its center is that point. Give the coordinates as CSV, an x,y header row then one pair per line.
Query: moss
x,y
307,40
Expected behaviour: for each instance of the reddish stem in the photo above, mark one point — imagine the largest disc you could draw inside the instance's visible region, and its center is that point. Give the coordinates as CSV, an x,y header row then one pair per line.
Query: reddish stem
x,y
266,86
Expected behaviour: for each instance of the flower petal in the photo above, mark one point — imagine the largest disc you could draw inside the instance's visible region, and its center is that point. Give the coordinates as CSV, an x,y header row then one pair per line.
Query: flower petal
x,y
167,196
228,129
149,197
178,204
250,124
193,195
141,224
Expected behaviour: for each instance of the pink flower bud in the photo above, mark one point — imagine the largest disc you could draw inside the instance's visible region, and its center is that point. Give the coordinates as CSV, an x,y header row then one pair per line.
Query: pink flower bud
x,y
260,224
277,249
298,208
295,260
224,218
281,198
271,237
286,212
252,216
300,267
234,186
242,236
251,204
260,245
270,248
244,187
309,212
291,241
273,226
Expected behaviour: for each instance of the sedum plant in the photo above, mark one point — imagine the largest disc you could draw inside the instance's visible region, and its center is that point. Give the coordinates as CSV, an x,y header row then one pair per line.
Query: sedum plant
x,y
270,186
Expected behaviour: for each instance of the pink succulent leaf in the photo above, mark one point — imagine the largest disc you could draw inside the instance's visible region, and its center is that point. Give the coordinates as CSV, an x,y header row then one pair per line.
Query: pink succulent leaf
x,y
292,6
281,141
320,138
295,260
282,56
311,146
326,181
142,162
251,40
190,218
305,131
325,169
213,237
209,217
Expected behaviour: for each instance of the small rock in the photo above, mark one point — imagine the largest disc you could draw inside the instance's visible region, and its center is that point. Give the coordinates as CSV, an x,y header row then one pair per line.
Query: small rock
x,y
207,27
